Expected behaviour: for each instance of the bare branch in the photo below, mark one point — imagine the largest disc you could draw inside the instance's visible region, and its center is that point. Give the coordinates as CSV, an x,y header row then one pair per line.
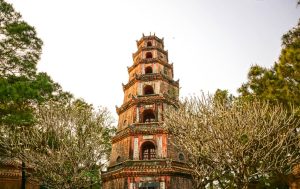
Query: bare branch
x,y
237,144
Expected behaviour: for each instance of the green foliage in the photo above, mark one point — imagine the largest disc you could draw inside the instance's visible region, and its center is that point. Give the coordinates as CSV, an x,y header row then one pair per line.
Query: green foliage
x,y
108,133
271,183
280,83
21,87
65,140
223,97
20,48
18,94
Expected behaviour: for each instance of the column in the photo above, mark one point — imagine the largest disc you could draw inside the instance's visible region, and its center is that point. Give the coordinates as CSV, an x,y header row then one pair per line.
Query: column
x,y
157,87
131,185
140,89
159,147
137,115
143,69
159,113
162,185
136,149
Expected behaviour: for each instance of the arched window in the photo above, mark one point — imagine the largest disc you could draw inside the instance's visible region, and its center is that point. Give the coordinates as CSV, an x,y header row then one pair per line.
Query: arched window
x,y
148,116
148,55
148,151
148,70
148,89
149,44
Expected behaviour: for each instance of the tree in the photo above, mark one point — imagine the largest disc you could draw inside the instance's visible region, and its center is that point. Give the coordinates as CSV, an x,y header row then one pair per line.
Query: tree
x,y
64,140
223,97
21,86
280,83
237,145
67,147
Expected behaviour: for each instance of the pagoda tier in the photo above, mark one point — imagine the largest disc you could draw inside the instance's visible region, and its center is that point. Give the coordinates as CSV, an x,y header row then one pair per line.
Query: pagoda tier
x,y
143,156
154,99
150,77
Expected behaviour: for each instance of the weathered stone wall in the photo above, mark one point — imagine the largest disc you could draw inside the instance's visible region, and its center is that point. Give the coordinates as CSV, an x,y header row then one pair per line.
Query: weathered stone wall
x,y
120,151
175,153
16,184
126,118
11,178
180,183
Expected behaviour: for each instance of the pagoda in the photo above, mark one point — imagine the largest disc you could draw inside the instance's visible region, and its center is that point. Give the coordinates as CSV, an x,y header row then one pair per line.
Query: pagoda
x,y
143,156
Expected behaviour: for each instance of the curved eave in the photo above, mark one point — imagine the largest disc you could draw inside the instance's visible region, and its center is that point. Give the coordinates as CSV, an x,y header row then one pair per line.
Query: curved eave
x,y
147,99
139,128
150,77
165,52
158,167
150,38
149,61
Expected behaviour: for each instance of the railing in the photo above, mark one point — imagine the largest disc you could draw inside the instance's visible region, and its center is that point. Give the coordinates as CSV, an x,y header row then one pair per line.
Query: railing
x,y
159,163
147,128
153,163
156,76
143,98
150,124
150,48
150,60
147,96
140,128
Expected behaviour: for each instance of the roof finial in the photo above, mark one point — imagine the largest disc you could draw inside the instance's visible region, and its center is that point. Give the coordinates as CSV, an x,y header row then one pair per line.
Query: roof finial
x,y
143,35
150,33
154,33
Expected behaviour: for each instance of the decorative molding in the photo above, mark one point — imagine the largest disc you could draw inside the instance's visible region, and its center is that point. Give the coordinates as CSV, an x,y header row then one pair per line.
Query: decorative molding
x,y
150,61
146,99
157,167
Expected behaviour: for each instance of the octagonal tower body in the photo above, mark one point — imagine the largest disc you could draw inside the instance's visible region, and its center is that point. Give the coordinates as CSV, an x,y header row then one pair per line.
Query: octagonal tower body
x,y
143,156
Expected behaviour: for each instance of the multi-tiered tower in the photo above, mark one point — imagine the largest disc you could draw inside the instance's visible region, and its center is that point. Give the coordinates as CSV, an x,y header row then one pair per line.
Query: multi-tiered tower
x,y
143,156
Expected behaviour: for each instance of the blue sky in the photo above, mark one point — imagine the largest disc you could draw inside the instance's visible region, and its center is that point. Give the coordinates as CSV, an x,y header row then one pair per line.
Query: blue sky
x,y
88,44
